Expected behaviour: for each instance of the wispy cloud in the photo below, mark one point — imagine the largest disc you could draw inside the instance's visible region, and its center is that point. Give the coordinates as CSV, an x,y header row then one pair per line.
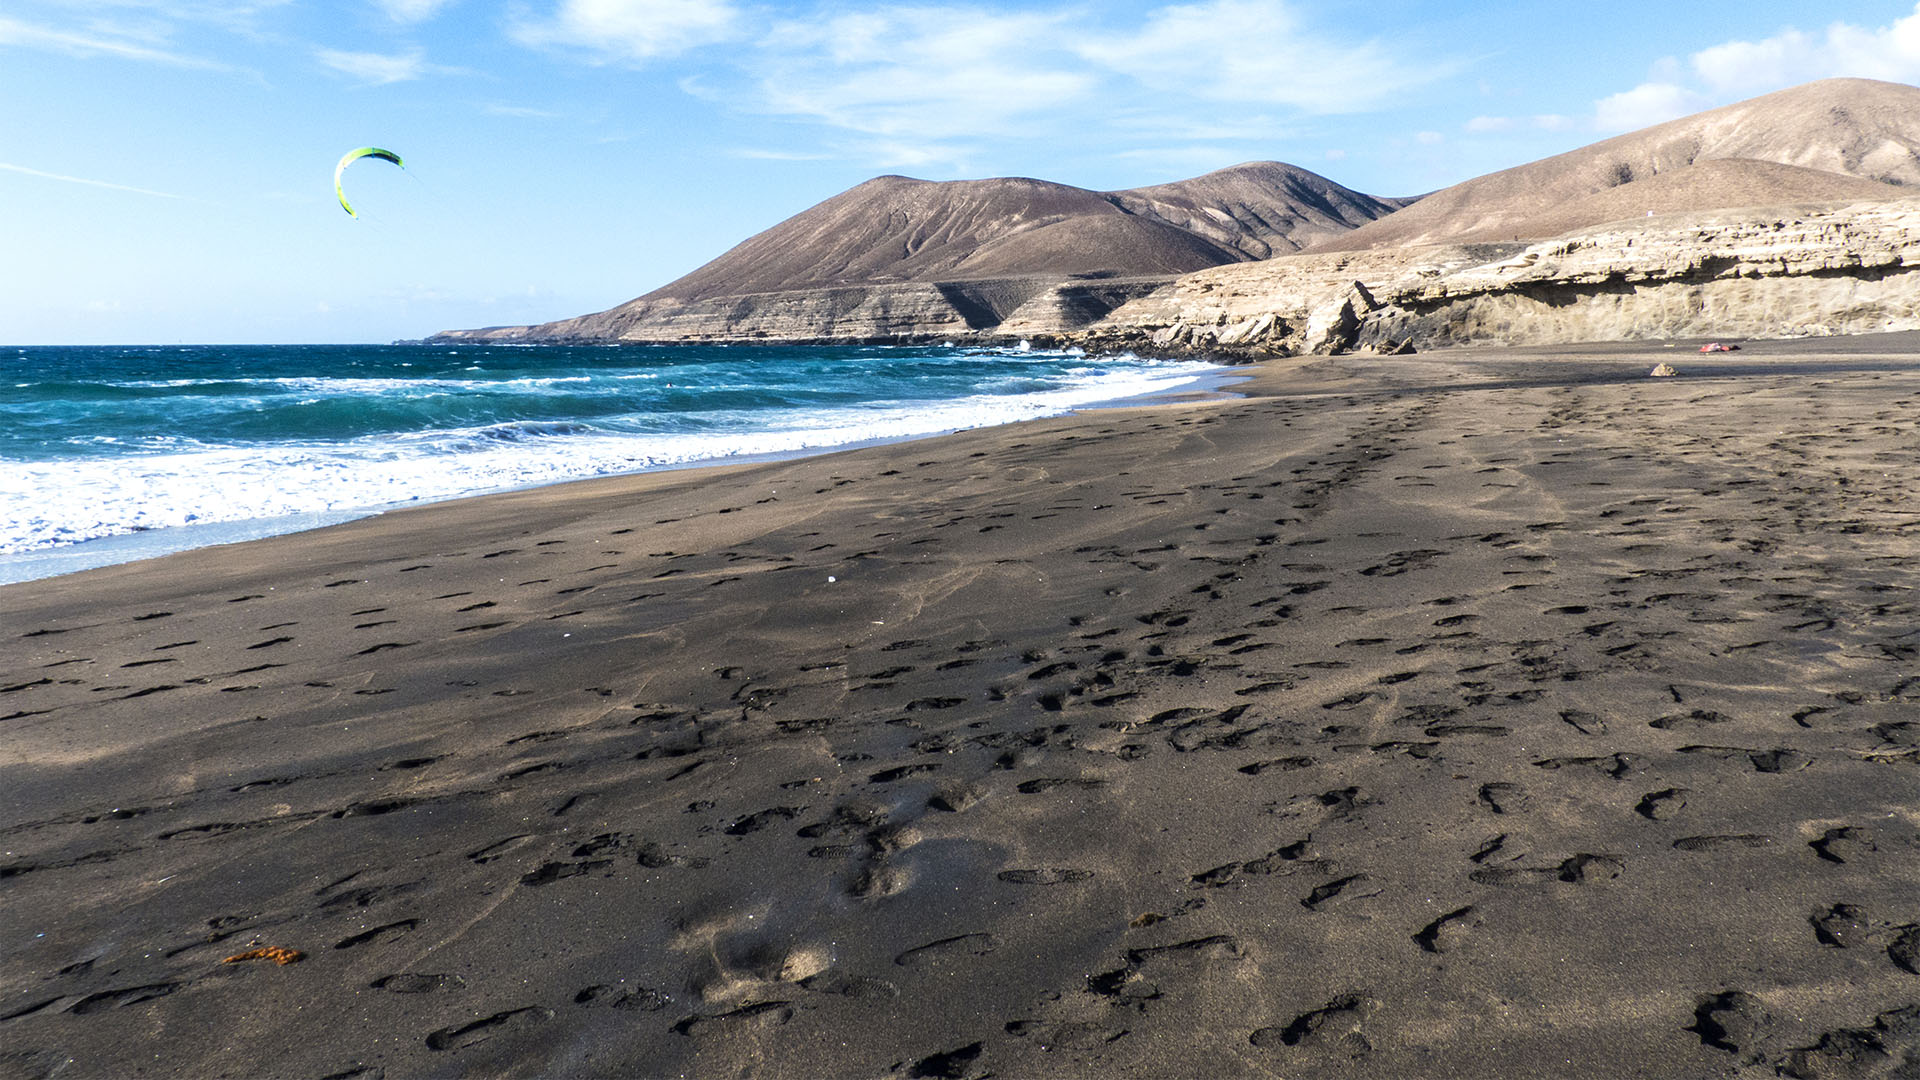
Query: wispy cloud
x,y
91,43
229,13
919,83
411,11
919,74
1276,58
379,69
520,112
632,30
24,171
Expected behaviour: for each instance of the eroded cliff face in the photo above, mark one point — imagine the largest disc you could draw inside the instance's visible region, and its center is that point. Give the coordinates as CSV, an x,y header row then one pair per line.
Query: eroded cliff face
x,y
1780,273
960,310
1787,272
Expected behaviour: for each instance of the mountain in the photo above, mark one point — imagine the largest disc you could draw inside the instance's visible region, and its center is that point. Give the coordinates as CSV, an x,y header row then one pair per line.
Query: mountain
x,y
1844,139
1261,209
1702,222
895,229
898,258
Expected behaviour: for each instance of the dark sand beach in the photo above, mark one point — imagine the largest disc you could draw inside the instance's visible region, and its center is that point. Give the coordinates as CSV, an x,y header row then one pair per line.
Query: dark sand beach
x,y
1472,714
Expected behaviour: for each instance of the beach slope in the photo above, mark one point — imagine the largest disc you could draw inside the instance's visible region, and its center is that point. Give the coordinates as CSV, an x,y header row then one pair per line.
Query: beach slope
x,y
1468,714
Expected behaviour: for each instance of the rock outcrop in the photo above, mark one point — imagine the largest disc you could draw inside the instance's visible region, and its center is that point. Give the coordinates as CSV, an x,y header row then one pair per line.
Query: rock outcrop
x,y
1785,272
898,313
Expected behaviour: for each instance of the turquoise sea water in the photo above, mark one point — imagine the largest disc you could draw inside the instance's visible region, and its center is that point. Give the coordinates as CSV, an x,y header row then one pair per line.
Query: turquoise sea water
x,y
133,442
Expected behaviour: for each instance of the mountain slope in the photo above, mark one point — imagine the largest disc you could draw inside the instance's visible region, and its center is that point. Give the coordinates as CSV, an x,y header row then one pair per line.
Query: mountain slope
x,y
1260,209
894,229
1835,132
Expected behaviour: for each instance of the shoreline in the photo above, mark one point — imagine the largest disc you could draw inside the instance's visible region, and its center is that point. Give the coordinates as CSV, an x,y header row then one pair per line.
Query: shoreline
x,y
1480,713
41,563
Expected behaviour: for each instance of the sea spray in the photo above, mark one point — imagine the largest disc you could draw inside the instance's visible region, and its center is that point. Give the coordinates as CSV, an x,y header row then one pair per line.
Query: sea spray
x,y
101,442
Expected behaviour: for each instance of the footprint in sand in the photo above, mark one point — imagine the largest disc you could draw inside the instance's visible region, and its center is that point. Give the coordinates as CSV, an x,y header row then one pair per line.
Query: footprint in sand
x,y
1842,926
1335,1026
378,933
948,951
416,983
758,1016
1734,1021
511,1022
1447,932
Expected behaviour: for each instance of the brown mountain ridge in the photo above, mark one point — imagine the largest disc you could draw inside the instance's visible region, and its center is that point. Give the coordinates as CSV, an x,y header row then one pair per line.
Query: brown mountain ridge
x,y
1827,141
899,259
895,229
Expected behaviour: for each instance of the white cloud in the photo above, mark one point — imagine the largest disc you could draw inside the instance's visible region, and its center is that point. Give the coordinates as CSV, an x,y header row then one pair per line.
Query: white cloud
x,y
1429,138
95,42
634,30
411,11
921,81
137,30
1890,52
1270,57
1482,125
919,74
520,112
1645,105
1740,69
377,69
906,154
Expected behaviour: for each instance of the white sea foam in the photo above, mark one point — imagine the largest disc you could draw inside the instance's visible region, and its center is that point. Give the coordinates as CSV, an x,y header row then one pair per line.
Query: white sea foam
x,y
339,386
50,504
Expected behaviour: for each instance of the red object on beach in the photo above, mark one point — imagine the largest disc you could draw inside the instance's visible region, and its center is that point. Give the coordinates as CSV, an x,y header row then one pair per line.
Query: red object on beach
x,y
1717,347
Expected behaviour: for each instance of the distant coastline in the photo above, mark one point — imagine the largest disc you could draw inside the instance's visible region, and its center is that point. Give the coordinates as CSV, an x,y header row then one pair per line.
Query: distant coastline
x,y
1755,219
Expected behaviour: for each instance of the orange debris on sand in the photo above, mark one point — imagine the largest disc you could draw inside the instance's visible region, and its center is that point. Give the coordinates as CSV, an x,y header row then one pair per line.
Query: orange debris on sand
x,y
274,953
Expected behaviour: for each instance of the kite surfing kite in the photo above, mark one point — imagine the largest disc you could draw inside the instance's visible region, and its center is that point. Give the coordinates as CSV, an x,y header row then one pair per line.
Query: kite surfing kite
x,y
351,157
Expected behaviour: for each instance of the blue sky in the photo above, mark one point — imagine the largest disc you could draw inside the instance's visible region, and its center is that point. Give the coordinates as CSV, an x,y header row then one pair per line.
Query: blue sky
x,y
167,165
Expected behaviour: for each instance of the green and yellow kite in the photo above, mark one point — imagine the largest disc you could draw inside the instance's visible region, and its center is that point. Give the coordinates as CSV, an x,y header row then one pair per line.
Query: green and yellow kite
x,y
351,157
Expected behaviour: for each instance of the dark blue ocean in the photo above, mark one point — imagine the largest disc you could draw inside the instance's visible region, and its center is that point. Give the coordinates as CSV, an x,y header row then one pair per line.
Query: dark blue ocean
x,y
178,446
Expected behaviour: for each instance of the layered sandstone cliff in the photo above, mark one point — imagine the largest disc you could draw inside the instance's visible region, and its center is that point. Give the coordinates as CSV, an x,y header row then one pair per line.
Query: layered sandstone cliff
x,y
1795,271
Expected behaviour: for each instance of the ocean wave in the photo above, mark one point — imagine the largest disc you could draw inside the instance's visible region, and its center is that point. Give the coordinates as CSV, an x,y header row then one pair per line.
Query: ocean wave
x,y
47,504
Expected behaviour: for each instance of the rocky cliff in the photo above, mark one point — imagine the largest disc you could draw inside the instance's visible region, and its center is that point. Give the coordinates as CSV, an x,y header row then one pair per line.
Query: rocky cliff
x,y
914,311
1785,272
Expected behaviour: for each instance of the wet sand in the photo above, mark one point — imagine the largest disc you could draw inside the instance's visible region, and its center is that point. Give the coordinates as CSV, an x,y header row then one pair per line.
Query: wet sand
x,y
1486,713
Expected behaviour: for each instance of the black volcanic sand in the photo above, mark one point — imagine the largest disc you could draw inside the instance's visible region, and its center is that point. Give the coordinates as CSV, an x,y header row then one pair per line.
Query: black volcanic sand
x,y
1500,713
